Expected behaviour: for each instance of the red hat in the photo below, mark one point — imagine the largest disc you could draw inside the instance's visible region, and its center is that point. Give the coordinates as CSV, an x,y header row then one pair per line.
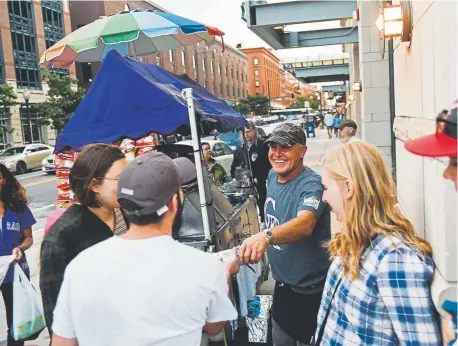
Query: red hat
x,y
443,142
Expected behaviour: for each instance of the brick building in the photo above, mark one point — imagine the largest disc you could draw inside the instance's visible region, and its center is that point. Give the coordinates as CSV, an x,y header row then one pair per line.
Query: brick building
x,y
222,73
266,76
27,29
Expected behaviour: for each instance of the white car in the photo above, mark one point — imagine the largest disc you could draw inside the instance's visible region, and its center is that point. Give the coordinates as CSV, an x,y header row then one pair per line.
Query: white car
x,y
24,158
222,153
47,165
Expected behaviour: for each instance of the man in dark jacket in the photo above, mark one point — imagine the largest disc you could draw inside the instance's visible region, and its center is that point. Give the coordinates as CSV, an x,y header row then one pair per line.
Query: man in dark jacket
x,y
260,166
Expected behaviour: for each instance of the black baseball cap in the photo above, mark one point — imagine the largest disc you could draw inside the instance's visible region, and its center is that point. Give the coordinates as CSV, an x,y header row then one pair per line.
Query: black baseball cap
x,y
150,181
443,142
287,135
347,123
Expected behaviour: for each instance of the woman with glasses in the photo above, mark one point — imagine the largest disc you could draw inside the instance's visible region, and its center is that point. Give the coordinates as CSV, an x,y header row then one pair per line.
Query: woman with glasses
x,y
16,222
378,286
94,180
443,144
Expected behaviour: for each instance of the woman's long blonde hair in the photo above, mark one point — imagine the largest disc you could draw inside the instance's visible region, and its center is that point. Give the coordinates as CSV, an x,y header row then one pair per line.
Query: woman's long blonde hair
x,y
372,209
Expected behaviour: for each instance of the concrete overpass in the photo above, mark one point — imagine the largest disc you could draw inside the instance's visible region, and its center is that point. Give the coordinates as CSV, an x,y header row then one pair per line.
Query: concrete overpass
x,y
319,69
268,21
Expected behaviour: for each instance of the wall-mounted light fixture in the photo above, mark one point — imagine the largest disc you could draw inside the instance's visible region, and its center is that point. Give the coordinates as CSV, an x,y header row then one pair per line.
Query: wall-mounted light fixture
x,y
357,86
396,21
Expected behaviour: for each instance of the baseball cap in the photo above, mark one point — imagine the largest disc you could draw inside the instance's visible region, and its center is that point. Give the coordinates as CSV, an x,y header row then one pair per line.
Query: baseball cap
x,y
347,123
443,142
287,135
150,181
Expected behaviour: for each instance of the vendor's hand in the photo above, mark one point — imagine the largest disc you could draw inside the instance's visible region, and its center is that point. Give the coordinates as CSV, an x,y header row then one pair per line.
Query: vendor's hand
x,y
253,248
17,253
232,264
447,331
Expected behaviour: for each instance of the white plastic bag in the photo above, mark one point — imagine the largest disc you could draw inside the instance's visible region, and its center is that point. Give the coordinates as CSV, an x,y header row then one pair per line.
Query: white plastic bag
x,y
5,262
28,317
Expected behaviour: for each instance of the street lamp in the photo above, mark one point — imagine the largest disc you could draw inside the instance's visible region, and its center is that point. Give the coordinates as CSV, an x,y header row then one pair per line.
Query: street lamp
x,y
396,21
26,96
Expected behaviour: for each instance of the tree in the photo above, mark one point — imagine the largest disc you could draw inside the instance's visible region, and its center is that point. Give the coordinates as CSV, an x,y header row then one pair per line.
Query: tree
x,y
311,98
7,100
242,108
62,100
258,104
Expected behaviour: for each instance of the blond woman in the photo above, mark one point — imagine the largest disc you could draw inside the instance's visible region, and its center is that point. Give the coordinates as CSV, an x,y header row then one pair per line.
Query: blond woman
x,y
377,289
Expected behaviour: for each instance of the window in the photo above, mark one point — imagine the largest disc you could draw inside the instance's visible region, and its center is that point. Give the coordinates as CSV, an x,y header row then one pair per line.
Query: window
x,y
217,150
233,92
221,88
211,67
205,84
225,70
237,74
203,64
256,72
219,68
53,22
241,76
86,71
5,126
183,57
255,61
171,55
226,149
194,61
232,73
256,83
42,148
31,130
238,92
23,36
227,90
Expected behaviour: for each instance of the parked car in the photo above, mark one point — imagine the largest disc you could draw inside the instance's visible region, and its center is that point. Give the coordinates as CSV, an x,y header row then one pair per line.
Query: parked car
x,y
24,158
47,165
222,153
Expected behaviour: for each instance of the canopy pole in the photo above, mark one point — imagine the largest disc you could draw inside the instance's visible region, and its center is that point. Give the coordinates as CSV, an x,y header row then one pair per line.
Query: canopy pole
x,y
187,95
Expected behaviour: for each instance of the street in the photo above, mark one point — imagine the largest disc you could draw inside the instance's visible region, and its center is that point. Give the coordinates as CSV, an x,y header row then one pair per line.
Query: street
x,y
41,190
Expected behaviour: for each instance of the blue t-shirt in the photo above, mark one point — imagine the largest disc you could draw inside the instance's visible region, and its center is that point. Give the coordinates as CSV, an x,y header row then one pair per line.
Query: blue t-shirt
x,y
12,234
304,262
337,121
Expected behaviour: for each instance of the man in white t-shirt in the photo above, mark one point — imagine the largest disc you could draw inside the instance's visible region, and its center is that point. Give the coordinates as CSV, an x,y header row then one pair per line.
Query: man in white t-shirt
x,y
144,288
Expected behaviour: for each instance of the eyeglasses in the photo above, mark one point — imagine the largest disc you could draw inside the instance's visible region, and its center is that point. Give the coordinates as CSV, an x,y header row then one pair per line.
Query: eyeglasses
x,y
105,178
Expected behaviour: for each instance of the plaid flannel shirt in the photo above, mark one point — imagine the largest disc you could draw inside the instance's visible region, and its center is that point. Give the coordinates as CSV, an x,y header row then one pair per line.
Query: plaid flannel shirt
x,y
389,304
75,231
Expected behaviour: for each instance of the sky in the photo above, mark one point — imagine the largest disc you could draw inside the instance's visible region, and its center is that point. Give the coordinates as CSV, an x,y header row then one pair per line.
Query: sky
x,y
226,16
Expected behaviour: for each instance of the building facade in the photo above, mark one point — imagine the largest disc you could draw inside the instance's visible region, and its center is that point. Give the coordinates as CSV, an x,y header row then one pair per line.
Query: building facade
x,y
221,70
27,29
425,82
267,77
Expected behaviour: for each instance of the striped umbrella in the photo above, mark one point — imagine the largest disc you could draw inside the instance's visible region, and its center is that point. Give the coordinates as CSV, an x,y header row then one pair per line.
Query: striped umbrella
x,y
131,33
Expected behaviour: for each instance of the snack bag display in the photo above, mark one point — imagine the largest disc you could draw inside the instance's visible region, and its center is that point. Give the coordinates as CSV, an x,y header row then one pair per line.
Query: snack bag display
x,y
127,146
63,183
64,195
62,173
145,150
65,159
149,141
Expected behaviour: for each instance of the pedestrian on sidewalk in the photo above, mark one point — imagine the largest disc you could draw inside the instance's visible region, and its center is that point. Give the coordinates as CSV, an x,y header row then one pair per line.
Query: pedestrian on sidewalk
x,y
443,144
257,152
298,223
216,171
378,287
145,288
347,131
329,123
336,123
16,221
94,180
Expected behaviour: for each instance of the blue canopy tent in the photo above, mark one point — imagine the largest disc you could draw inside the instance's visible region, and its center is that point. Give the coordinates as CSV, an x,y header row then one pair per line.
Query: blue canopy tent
x,y
131,98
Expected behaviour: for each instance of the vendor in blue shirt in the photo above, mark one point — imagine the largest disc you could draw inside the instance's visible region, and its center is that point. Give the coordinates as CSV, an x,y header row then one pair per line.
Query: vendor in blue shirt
x,y
16,222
